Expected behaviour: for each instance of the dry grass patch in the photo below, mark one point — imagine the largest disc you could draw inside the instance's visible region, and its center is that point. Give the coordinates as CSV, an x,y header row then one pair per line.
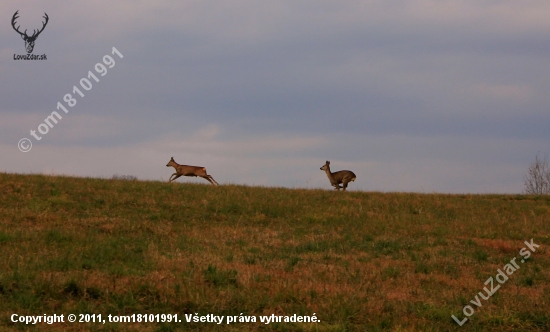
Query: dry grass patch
x,y
360,261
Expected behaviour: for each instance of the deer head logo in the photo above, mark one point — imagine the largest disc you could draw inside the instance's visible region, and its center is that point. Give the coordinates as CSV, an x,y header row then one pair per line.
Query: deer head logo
x,y
29,40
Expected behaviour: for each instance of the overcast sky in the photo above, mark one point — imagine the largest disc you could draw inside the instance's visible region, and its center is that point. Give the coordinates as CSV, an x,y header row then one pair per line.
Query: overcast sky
x,y
425,96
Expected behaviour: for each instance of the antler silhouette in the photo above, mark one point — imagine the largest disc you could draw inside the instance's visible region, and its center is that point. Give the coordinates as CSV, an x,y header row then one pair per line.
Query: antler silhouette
x,y
29,40
15,17
35,34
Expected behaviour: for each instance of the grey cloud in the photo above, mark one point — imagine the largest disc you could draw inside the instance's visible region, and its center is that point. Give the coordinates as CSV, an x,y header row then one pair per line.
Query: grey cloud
x,y
382,81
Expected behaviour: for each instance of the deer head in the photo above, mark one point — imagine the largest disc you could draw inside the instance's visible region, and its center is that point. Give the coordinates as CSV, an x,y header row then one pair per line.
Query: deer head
x,y
325,166
29,40
171,163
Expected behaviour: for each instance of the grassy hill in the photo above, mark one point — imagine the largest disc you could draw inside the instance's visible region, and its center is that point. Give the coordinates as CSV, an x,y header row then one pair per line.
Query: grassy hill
x,y
358,260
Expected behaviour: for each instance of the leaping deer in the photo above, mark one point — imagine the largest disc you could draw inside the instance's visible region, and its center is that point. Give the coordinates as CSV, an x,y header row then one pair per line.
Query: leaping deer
x,y
29,40
187,170
336,178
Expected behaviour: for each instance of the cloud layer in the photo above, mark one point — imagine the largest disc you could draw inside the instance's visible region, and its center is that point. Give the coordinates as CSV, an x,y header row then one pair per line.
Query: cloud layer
x,y
446,96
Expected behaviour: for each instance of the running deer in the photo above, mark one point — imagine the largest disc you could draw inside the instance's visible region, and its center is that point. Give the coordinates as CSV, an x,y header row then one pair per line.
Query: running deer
x,y
189,171
336,178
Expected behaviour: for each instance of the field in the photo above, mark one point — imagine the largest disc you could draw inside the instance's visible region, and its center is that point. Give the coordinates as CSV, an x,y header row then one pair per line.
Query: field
x,y
361,261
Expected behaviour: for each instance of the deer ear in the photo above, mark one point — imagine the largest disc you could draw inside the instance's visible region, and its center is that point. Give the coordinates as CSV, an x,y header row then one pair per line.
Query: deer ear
x,y
328,162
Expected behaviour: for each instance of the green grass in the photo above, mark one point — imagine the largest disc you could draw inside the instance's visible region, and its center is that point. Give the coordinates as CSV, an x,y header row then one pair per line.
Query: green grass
x,y
361,261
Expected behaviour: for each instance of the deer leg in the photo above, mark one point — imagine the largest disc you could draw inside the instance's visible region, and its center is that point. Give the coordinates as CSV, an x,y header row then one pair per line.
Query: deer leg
x,y
174,179
207,179
170,179
211,178
345,185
